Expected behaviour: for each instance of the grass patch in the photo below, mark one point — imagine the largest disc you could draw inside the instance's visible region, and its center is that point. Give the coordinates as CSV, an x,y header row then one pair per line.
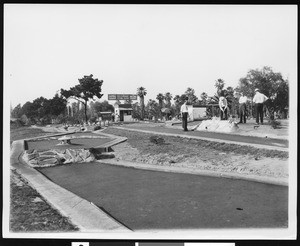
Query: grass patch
x,y
25,132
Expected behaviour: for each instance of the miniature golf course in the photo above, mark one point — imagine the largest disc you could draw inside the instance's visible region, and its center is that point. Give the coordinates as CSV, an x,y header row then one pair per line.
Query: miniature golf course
x,y
144,199
78,140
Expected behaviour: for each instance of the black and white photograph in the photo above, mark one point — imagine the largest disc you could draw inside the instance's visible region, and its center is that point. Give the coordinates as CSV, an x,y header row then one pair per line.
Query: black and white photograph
x,y
150,121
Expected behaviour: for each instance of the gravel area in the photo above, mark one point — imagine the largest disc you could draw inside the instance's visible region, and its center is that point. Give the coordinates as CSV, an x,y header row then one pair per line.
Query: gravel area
x,y
199,154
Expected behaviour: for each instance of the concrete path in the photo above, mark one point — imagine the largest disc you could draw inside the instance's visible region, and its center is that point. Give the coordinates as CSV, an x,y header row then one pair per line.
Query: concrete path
x,y
143,199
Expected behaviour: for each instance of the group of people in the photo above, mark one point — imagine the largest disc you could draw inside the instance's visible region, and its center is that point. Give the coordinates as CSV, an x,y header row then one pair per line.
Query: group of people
x,y
258,99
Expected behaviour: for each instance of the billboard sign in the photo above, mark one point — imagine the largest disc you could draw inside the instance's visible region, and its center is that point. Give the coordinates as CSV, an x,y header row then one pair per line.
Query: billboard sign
x,y
122,97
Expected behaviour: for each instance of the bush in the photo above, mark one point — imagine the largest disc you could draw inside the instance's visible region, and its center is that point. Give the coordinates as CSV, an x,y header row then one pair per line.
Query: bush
x,y
157,139
71,120
97,128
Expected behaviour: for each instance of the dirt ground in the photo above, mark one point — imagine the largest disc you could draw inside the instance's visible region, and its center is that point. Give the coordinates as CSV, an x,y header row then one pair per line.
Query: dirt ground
x,y
29,212
198,154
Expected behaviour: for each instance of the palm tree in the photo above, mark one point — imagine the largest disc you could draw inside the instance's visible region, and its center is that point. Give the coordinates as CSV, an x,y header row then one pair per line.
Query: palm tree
x,y
190,94
160,97
219,84
154,109
141,92
168,98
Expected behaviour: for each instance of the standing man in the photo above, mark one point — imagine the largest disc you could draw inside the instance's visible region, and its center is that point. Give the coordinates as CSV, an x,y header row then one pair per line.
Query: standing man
x,y
223,106
184,115
259,100
243,108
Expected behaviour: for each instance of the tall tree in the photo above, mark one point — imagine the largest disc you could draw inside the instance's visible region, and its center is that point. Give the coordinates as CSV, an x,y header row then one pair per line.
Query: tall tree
x,y
160,97
141,92
57,105
269,83
16,111
190,94
168,98
28,110
41,108
87,89
219,84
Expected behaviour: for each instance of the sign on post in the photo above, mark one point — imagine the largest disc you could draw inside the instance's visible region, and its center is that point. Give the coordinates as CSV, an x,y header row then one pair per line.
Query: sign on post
x,y
122,97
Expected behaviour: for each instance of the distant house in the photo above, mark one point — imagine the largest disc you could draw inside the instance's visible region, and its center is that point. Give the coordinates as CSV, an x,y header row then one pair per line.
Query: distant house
x,y
123,112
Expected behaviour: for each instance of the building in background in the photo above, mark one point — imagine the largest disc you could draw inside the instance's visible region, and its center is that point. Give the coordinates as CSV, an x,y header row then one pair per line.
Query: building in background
x,y
123,112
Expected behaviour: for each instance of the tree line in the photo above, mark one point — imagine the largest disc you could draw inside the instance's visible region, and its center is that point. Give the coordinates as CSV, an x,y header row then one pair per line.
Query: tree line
x,y
270,83
42,110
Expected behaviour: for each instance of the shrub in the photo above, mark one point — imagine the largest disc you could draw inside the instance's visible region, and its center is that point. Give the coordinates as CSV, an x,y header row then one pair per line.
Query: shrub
x,y
97,128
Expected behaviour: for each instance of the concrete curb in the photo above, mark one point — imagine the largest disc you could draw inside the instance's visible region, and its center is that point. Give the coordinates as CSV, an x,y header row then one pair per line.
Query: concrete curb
x,y
47,136
117,139
85,215
259,146
253,178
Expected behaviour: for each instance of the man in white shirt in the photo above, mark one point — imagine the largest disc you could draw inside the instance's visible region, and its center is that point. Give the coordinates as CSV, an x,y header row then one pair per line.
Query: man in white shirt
x,y
243,108
223,106
184,115
259,100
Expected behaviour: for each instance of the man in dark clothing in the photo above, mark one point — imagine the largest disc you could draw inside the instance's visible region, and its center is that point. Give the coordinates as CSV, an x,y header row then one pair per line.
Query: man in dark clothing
x,y
184,115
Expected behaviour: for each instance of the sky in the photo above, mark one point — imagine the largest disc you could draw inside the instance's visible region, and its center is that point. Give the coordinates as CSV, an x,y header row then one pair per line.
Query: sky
x,y
164,48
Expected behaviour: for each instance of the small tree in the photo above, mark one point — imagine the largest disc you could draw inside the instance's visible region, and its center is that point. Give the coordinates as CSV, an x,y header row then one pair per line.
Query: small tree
x,y
153,109
204,98
102,107
87,89
136,111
